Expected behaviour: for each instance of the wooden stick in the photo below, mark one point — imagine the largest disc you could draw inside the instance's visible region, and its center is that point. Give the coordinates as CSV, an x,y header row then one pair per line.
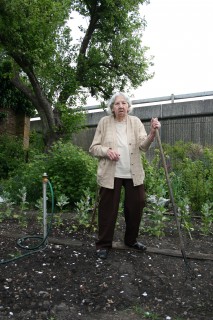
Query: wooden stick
x,y
171,197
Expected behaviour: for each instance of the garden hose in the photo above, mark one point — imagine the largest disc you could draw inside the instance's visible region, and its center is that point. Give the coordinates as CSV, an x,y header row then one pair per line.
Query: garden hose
x,y
43,240
182,248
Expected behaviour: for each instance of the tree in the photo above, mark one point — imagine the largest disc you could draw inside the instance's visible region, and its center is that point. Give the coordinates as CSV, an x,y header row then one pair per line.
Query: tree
x,y
11,97
51,68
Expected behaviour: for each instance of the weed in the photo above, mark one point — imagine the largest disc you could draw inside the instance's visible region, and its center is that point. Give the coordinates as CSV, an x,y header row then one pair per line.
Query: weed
x,y
7,205
63,200
185,215
23,206
84,209
156,215
145,314
206,217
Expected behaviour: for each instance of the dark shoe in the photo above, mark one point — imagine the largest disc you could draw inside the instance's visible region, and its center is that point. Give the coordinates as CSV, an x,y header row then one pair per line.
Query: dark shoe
x,y
138,246
102,253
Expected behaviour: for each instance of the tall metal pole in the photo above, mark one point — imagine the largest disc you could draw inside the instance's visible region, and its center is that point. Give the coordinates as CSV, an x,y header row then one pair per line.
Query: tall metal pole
x,y
45,180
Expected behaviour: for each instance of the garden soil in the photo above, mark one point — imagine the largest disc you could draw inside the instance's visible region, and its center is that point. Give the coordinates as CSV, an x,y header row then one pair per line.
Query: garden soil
x,y
66,280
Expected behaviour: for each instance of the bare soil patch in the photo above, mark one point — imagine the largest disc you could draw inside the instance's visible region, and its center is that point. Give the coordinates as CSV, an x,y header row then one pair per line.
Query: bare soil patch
x,y
67,281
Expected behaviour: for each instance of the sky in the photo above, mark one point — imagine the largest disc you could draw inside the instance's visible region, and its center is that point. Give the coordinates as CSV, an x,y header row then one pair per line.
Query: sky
x,y
179,35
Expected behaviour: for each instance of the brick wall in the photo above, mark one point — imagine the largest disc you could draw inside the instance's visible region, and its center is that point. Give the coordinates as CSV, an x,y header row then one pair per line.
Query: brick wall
x,y
15,124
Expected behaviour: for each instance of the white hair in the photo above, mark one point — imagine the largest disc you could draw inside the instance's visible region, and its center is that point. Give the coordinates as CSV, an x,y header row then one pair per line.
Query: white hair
x,y
112,101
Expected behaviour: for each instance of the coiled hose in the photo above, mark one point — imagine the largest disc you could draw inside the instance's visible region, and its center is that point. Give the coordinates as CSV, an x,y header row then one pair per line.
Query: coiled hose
x,y
43,241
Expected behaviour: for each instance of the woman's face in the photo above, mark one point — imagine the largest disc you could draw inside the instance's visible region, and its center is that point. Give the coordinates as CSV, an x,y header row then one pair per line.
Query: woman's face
x,y
120,107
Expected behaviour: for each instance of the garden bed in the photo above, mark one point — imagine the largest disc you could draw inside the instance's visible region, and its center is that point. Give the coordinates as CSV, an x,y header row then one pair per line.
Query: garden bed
x,y
67,281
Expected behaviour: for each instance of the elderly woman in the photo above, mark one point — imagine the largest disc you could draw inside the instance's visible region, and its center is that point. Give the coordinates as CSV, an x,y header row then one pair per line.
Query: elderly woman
x,y
118,142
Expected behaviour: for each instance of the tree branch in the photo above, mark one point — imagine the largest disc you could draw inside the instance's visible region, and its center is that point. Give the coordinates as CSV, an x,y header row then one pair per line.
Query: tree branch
x,y
88,35
36,95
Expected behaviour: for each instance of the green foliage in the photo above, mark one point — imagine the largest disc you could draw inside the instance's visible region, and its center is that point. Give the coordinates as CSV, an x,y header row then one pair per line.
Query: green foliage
x,y
6,206
138,310
72,171
36,142
118,36
39,206
3,115
192,172
62,203
155,183
69,168
190,169
22,214
176,153
206,218
28,175
185,215
73,119
12,155
195,175
63,200
10,96
40,54
31,26
84,209
155,214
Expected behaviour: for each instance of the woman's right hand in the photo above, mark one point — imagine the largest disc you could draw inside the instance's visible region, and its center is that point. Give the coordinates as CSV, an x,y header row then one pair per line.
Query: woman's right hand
x,y
113,155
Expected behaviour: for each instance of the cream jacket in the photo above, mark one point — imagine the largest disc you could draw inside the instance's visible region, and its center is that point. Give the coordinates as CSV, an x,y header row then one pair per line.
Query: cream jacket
x,y
105,138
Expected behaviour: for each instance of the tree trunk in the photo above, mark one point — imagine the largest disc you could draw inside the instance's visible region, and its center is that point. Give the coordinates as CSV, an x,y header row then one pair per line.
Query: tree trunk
x,y
50,118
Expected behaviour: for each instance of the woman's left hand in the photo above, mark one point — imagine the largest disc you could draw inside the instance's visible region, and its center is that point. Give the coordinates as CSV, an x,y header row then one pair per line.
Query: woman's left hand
x,y
155,124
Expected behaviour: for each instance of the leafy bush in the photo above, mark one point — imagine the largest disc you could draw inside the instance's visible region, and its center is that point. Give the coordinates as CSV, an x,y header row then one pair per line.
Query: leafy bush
x,y
12,155
71,171
195,175
191,172
155,183
69,168
36,143
190,169
28,176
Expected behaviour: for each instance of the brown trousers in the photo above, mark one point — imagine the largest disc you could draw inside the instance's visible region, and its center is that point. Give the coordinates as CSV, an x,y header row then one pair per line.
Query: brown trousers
x,y
134,202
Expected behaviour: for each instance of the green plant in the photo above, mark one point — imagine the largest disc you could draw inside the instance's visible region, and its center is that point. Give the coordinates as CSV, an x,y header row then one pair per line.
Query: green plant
x,y
63,200
192,172
36,143
72,171
28,175
23,206
206,218
3,115
145,314
69,168
155,182
195,175
84,209
12,155
177,185
155,212
22,194
185,215
7,206
39,206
